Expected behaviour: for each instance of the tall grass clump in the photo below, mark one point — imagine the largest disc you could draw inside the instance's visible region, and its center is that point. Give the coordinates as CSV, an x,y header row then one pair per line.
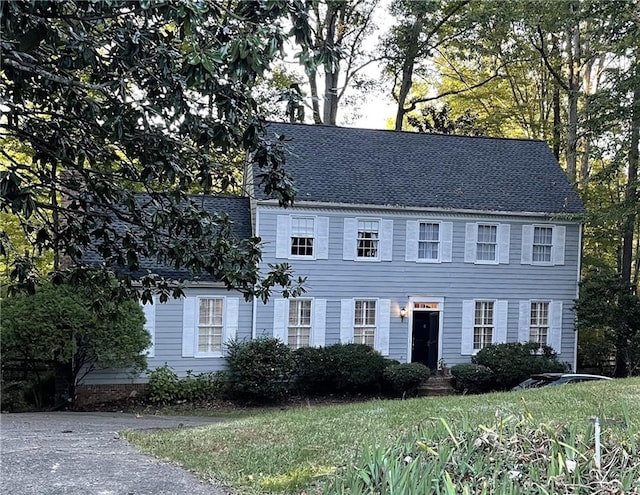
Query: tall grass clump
x,y
510,455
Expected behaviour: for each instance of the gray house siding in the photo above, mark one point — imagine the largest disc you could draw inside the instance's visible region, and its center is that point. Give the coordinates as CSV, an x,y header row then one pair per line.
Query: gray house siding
x,y
168,347
335,279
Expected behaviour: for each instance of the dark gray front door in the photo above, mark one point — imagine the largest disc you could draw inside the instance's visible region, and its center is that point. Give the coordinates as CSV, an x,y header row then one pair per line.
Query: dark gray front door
x,y
424,342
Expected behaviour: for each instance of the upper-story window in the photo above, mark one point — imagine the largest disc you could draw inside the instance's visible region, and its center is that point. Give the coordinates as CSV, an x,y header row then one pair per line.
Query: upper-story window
x,y
543,244
487,243
428,241
368,238
302,236
539,323
299,327
483,324
364,324
210,325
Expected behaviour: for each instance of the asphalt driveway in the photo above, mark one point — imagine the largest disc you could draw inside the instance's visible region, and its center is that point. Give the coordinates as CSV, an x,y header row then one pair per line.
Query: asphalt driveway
x,y
82,453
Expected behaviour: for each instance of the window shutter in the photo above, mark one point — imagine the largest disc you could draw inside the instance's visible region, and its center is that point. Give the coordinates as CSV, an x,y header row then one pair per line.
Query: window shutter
x,y
281,319
527,246
555,326
322,238
319,324
381,337
470,240
149,310
188,326
502,315
557,249
346,321
466,348
504,237
386,240
283,236
524,321
411,253
350,235
446,241
232,312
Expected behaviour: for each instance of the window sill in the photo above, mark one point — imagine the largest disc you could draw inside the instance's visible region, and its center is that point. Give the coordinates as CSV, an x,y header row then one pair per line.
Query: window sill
x,y
205,355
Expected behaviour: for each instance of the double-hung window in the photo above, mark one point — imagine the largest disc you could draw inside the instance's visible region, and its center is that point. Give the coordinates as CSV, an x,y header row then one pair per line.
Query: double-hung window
x,y
364,328
487,242
299,326
428,241
210,324
539,323
368,239
302,235
483,324
542,244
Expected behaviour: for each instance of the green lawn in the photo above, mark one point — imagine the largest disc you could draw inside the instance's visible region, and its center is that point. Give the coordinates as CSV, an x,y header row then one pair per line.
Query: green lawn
x,y
285,450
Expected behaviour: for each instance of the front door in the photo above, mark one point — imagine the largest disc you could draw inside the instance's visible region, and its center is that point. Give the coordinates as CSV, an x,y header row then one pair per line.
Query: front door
x,y
424,341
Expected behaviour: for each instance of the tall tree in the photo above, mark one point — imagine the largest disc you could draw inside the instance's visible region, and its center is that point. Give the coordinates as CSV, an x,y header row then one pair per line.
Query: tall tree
x,y
108,98
335,50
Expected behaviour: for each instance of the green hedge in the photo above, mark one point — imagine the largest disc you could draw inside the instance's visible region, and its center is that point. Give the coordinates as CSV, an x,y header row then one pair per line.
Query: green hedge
x,y
404,378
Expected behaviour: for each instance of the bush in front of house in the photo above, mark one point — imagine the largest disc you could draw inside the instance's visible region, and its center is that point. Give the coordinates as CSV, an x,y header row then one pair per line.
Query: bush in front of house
x,y
260,370
513,363
470,378
165,387
339,368
404,378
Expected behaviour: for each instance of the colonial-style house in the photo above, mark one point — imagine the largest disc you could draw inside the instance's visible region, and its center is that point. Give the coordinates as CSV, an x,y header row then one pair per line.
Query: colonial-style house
x,y
426,247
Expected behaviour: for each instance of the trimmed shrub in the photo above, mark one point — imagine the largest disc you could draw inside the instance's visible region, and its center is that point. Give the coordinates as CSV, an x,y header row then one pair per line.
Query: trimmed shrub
x,y
339,368
472,378
163,386
514,362
314,370
405,378
260,370
166,388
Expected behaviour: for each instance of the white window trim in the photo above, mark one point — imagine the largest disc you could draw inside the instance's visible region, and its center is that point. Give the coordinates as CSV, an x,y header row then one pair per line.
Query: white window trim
x,y
311,320
542,263
493,326
430,260
377,318
196,332
500,324
314,251
496,259
555,323
548,326
378,256
557,248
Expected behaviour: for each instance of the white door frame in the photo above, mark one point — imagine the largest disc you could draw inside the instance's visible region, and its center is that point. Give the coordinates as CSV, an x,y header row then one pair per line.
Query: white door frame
x,y
411,308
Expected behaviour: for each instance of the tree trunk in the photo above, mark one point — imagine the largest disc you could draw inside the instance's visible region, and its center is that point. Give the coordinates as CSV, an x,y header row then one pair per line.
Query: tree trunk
x,y
315,103
631,204
407,73
573,49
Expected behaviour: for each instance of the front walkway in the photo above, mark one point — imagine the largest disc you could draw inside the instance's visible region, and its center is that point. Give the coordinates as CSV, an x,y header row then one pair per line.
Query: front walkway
x,y
81,453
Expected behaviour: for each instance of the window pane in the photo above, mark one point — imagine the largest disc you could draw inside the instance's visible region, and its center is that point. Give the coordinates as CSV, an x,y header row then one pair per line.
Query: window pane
x,y
210,325
542,243
302,234
429,232
368,238
299,328
487,233
364,322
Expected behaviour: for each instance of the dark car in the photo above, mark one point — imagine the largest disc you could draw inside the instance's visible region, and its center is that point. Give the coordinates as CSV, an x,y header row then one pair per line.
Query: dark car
x,y
551,379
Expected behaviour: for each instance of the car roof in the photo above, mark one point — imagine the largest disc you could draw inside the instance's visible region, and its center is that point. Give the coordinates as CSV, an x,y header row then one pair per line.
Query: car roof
x,y
556,376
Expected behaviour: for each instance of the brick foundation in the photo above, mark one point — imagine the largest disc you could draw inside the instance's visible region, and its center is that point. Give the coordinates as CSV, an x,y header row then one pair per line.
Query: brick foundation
x,y
95,394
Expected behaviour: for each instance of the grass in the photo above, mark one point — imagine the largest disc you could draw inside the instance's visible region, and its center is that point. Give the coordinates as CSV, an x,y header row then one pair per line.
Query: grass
x,y
315,449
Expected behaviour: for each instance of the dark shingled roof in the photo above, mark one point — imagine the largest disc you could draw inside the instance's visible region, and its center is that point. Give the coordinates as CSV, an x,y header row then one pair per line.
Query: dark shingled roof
x,y
239,213
376,167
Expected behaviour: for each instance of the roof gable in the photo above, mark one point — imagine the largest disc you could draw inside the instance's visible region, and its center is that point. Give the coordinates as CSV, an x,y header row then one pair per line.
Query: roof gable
x,y
410,170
